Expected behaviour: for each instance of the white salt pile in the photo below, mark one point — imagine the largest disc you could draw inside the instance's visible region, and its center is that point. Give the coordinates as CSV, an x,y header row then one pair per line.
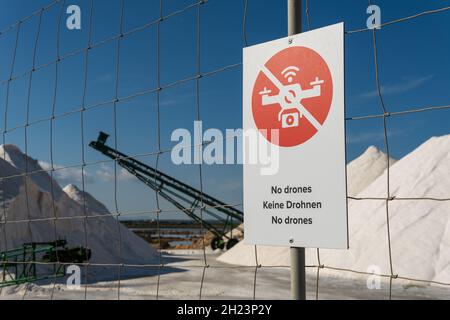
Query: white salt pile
x,y
362,171
85,199
110,242
420,229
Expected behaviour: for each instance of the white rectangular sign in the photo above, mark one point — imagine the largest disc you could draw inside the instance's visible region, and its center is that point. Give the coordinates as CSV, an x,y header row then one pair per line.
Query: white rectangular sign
x,y
294,141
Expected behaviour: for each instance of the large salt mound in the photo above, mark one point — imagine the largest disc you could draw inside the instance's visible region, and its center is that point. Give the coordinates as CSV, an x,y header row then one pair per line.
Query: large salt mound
x,y
420,230
362,171
85,199
110,242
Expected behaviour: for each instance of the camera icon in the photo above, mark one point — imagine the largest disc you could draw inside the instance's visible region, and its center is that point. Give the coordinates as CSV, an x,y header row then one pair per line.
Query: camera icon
x,y
290,119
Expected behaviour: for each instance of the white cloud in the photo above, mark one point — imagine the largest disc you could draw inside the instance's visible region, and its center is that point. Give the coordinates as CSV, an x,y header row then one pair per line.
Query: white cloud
x,y
372,137
106,173
365,137
68,175
174,100
74,174
400,87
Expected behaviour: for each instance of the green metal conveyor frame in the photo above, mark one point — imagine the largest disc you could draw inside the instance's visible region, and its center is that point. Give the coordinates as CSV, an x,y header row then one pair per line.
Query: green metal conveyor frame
x,y
19,266
182,196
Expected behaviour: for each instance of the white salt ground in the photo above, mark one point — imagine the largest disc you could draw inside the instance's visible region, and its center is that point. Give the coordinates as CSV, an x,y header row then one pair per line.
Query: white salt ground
x,y
224,283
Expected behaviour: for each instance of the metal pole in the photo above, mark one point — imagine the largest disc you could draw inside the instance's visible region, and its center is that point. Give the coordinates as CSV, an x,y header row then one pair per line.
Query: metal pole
x,y
294,17
298,274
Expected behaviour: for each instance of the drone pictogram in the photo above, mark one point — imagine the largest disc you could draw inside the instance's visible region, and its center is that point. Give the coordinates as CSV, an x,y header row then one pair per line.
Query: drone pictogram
x,y
298,101
290,97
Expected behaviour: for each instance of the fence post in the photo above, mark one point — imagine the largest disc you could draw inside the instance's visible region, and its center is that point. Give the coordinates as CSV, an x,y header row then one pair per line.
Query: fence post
x,y
298,272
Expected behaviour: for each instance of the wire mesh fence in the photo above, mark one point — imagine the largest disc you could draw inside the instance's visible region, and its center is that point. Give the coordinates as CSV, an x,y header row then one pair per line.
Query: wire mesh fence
x,y
114,42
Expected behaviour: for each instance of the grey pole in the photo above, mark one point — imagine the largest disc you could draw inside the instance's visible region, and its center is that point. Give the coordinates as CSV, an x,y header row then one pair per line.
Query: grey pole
x,y
294,17
298,274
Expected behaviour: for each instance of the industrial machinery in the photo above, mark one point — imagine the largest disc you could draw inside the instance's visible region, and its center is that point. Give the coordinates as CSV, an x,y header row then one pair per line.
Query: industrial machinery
x,y
184,197
39,261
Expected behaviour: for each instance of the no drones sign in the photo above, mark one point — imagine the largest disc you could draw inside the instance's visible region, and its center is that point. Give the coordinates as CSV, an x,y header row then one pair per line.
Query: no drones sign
x,y
294,99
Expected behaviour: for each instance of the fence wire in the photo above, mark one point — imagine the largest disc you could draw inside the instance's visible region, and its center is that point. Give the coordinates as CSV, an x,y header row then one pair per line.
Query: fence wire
x,y
117,39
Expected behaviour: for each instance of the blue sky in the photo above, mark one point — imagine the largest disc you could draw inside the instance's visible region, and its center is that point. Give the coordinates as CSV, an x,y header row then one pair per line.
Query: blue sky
x,y
413,59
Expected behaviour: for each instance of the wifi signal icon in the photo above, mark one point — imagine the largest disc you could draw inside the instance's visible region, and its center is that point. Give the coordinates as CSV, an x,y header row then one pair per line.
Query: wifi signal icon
x,y
290,72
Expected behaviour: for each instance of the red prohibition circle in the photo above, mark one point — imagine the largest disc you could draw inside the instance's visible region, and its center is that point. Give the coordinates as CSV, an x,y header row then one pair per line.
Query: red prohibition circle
x,y
292,95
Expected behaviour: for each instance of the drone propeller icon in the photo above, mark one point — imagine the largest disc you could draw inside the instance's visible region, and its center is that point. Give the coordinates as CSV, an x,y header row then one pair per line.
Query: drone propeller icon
x,y
291,97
